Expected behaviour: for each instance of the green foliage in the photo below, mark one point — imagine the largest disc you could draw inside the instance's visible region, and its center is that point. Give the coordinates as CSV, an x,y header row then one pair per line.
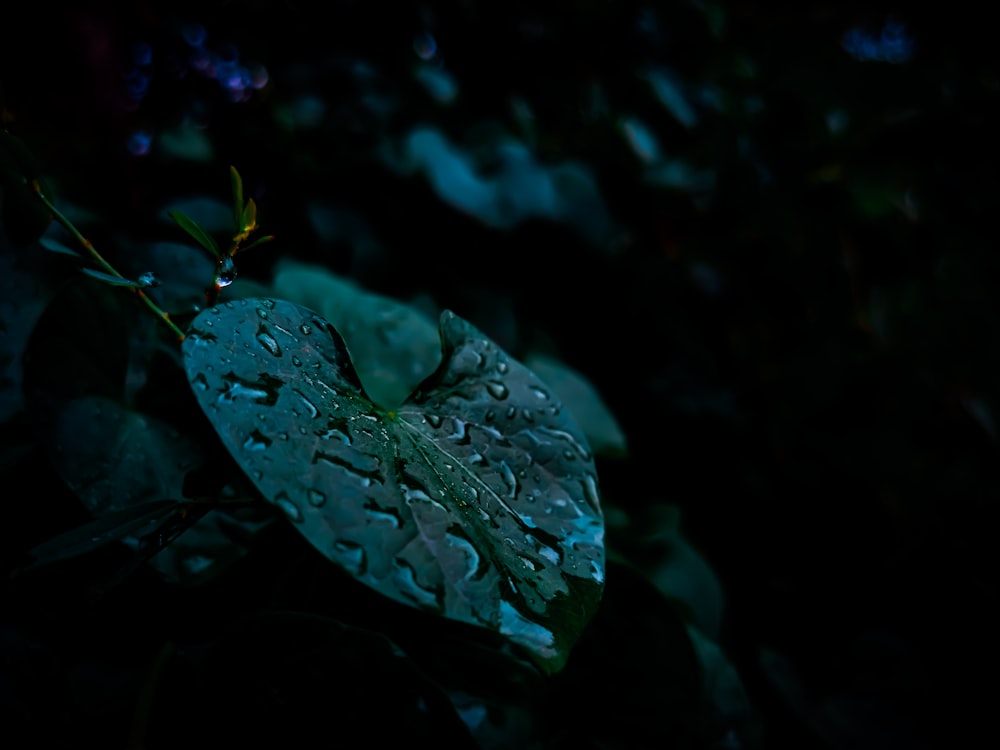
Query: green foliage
x,y
199,235
750,253
475,498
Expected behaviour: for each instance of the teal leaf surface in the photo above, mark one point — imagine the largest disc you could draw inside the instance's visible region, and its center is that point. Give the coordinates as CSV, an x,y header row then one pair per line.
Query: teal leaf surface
x,y
477,499
393,345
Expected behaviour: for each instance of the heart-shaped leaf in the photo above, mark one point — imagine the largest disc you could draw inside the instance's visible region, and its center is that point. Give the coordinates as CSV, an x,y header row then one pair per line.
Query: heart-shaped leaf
x,y
476,499
394,346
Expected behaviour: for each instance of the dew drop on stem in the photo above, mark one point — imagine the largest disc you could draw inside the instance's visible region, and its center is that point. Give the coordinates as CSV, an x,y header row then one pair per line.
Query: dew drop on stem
x,y
225,272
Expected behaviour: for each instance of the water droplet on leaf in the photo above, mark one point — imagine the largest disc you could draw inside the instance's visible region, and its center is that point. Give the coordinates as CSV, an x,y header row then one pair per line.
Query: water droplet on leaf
x,y
497,390
406,580
352,556
267,340
290,509
256,442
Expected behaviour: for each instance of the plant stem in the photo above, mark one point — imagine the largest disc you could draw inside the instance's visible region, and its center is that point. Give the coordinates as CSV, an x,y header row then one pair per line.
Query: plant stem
x,y
107,267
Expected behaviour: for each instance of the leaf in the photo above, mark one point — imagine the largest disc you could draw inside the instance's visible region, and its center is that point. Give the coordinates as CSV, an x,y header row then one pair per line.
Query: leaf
x,y
583,400
200,236
57,247
722,689
476,500
259,241
116,459
145,280
237,183
249,220
679,570
134,521
213,215
107,278
517,189
393,345
184,270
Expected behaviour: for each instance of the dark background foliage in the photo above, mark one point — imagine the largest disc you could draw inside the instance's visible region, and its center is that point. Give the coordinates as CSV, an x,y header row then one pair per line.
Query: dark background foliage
x,y
773,253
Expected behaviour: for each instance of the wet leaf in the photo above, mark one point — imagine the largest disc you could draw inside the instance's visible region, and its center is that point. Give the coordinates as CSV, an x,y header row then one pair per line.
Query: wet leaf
x,y
184,270
476,499
393,345
581,397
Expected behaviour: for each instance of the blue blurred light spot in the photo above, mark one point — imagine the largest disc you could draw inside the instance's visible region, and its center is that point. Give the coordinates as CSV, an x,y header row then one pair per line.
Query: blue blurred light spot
x,y
678,174
713,98
228,54
137,84
753,105
706,278
200,60
439,84
641,139
305,112
363,70
142,54
837,121
259,77
892,45
194,34
229,75
221,63
139,143
646,23
425,46
668,89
